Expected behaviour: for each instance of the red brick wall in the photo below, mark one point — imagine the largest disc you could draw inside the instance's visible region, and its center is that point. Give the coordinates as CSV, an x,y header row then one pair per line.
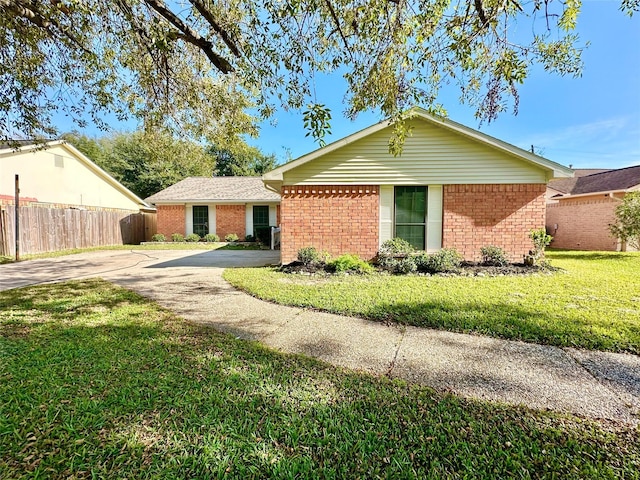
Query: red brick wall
x,y
583,223
503,215
171,219
230,219
338,219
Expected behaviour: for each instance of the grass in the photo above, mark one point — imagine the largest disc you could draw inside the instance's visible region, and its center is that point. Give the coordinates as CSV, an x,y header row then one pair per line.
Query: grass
x,y
241,246
97,382
593,304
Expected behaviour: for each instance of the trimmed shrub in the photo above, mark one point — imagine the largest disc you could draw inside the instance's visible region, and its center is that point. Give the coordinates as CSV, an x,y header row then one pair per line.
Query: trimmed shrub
x,y
446,260
177,237
540,240
158,237
211,237
399,266
348,263
395,246
192,237
249,238
231,237
312,256
494,256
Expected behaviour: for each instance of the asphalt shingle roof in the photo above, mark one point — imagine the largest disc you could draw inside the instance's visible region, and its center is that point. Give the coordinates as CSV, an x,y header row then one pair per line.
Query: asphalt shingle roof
x,y
619,179
211,189
565,185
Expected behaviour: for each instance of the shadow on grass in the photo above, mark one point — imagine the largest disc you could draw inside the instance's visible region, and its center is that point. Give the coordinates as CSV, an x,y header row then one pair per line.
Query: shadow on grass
x,y
506,320
154,396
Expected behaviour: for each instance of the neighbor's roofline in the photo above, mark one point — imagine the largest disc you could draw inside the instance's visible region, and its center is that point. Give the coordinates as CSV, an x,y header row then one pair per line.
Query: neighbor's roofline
x,y
86,160
560,170
633,188
209,200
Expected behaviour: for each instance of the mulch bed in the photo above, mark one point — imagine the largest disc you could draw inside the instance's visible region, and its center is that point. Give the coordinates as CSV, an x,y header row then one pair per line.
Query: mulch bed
x,y
467,269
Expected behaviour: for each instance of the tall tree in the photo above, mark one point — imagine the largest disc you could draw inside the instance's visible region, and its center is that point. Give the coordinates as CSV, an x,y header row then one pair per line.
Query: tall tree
x,y
189,66
248,161
144,162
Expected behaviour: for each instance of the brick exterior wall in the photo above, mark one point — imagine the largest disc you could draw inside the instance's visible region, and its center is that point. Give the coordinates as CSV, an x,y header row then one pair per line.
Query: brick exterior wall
x,y
583,223
171,219
475,216
230,219
338,219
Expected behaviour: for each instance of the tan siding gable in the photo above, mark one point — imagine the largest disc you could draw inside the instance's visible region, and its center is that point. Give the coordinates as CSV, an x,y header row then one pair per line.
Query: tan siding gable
x,y
432,155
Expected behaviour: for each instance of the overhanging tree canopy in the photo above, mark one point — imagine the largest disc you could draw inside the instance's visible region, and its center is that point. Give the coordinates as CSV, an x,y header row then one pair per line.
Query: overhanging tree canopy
x,y
190,66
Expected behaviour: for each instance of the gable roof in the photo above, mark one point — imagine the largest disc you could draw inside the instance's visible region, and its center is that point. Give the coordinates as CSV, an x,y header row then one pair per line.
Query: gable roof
x,y
216,189
554,169
6,150
565,185
609,181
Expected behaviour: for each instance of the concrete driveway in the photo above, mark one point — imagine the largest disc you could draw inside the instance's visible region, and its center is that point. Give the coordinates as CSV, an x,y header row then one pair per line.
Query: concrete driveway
x,y
592,384
110,263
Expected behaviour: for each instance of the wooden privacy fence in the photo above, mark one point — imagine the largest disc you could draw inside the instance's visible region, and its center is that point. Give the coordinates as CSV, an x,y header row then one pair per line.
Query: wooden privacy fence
x,y
44,229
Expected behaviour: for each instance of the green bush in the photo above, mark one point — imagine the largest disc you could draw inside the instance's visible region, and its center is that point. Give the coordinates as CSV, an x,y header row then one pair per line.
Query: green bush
x,y
192,237
348,263
158,237
249,238
177,237
494,256
445,260
231,237
211,237
395,246
540,240
399,266
312,256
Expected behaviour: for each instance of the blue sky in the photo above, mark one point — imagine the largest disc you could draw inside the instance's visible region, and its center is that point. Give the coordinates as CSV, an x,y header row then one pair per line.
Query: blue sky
x,y
587,122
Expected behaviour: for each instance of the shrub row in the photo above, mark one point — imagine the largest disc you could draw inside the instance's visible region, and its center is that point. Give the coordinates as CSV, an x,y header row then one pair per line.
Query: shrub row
x,y
194,237
399,257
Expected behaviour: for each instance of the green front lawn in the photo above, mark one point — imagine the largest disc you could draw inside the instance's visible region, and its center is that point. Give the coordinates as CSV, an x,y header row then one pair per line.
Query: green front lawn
x,y
594,303
97,382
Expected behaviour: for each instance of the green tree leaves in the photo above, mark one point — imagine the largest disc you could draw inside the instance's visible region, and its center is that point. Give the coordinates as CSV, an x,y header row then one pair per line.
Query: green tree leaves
x,y
195,68
627,226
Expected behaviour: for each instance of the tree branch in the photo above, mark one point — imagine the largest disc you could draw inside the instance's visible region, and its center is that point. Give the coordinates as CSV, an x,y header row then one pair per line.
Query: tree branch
x,y
29,13
208,16
191,36
335,20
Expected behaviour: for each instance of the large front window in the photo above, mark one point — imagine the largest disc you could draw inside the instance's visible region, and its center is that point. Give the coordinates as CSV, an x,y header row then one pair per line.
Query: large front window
x,y
411,215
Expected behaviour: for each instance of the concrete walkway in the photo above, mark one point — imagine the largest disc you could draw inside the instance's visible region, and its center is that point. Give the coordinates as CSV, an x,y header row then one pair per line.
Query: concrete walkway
x,y
592,384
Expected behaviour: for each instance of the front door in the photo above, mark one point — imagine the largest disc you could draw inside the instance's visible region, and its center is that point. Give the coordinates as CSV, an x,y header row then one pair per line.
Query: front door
x,y
201,220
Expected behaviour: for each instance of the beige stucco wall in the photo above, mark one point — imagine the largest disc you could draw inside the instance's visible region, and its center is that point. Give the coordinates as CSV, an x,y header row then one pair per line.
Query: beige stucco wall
x,y
56,175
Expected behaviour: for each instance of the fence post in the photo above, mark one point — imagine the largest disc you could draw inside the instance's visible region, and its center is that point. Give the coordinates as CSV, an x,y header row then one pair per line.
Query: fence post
x,y
17,217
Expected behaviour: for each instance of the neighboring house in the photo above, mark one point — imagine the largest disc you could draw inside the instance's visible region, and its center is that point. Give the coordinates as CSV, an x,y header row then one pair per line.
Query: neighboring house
x,y
66,201
61,175
583,210
560,186
220,205
451,187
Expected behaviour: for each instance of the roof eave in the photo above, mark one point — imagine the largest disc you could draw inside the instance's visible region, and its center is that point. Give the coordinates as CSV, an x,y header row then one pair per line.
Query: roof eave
x,y
209,200
635,188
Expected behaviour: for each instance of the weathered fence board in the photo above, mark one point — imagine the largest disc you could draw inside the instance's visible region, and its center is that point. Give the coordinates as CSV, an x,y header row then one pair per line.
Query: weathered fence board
x,y
44,229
